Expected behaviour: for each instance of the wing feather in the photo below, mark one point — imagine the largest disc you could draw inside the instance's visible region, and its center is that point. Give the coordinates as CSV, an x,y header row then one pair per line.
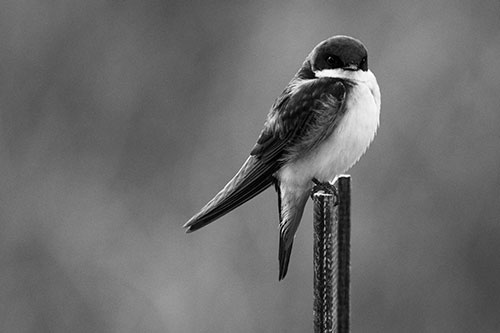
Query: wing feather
x,y
289,121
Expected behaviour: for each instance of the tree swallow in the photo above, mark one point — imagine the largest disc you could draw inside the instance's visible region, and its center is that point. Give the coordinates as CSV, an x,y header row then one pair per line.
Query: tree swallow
x,y
318,127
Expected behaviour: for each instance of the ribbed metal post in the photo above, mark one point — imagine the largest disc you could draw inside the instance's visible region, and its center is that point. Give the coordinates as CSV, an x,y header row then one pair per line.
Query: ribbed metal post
x,y
332,232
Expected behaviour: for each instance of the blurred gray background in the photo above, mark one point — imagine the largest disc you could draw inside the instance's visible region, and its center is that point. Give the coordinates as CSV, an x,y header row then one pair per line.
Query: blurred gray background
x,y
120,119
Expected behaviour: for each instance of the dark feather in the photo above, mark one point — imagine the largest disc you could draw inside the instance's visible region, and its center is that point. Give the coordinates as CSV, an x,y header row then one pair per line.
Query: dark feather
x,y
284,258
253,178
291,210
284,252
302,106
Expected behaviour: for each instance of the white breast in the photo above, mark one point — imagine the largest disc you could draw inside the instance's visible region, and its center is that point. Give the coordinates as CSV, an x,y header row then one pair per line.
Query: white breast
x,y
351,137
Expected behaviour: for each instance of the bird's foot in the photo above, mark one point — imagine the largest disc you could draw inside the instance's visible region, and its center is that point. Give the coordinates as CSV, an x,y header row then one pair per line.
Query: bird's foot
x,y
325,187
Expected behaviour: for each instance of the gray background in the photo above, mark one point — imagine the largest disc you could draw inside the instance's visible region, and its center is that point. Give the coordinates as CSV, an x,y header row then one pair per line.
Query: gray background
x,y
120,119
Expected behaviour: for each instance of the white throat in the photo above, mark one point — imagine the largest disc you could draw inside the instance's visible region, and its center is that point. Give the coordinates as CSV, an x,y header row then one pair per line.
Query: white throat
x,y
358,76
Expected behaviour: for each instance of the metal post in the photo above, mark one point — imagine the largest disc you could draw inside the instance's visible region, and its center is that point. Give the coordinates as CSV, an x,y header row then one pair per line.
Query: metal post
x,y
332,232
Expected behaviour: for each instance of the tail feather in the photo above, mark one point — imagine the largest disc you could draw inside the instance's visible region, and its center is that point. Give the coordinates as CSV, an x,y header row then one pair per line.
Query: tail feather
x,y
253,178
284,258
292,202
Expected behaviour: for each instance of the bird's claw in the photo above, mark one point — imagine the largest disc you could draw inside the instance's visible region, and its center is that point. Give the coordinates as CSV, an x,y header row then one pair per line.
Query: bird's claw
x,y
325,187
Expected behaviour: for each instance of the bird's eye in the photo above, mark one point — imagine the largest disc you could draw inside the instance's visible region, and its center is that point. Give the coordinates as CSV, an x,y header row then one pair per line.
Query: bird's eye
x,y
364,65
333,61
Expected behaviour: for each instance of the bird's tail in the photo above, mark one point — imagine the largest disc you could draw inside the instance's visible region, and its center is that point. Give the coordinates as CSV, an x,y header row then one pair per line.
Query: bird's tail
x,y
252,178
291,205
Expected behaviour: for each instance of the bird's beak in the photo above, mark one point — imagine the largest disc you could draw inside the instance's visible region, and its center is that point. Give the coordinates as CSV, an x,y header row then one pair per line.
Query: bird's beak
x,y
351,67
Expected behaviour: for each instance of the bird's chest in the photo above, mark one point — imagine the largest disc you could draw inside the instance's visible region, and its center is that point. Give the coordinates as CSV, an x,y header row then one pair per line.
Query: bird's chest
x,y
352,136
349,140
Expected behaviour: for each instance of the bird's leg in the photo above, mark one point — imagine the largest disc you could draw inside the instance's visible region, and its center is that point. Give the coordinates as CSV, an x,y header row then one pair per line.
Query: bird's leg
x,y
326,187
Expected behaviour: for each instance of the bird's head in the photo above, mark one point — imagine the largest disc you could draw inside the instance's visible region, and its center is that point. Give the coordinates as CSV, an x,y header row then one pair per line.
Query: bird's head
x,y
341,53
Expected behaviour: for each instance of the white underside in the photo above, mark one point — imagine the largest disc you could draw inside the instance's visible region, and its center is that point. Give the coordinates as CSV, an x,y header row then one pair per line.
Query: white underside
x,y
343,148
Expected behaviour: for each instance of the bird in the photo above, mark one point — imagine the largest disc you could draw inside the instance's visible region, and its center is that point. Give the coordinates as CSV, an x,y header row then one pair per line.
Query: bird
x,y
317,128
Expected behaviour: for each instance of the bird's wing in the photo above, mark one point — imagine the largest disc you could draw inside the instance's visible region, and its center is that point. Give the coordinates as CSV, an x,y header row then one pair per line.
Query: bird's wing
x,y
285,124
252,178
297,115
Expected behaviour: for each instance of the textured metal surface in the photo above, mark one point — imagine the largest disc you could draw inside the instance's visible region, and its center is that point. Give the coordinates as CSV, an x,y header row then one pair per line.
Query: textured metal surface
x,y
325,268
331,258
343,216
